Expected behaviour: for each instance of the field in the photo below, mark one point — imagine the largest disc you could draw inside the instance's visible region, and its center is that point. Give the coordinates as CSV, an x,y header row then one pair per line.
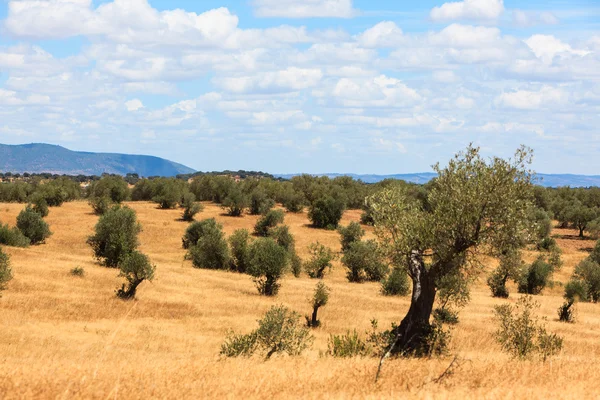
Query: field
x,y
69,337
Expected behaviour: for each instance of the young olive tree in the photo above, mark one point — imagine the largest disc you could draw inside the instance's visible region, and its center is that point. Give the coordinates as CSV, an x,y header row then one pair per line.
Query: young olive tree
x,y
319,299
350,234
135,267
473,206
115,236
190,207
33,226
268,262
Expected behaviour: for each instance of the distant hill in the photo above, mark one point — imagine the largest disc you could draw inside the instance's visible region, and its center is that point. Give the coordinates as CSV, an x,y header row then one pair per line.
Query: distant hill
x,y
39,157
547,180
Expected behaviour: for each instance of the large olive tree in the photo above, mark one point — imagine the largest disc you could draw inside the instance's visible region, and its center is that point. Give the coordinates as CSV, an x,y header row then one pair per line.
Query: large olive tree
x,y
472,207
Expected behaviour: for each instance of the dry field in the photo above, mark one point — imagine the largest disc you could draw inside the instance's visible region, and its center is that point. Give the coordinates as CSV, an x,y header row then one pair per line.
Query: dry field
x,y
69,337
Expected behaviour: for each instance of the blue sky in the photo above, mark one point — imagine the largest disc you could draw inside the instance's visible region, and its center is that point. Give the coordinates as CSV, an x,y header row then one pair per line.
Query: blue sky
x,y
305,85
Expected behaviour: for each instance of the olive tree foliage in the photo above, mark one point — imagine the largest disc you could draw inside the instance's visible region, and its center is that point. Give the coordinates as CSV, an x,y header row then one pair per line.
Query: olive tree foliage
x,y
320,260
135,267
116,235
210,250
350,234
239,242
511,267
5,270
319,299
267,264
474,206
33,226
190,207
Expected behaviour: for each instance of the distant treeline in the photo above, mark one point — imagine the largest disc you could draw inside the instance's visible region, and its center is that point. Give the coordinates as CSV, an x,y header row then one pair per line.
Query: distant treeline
x,y
571,207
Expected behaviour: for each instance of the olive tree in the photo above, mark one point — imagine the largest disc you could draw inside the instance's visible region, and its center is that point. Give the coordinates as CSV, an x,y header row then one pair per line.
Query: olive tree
x,y
33,226
135,267
115,235
474,207
267,264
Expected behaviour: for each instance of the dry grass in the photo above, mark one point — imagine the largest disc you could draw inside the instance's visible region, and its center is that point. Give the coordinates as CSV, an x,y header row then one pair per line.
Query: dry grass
x,y
69,337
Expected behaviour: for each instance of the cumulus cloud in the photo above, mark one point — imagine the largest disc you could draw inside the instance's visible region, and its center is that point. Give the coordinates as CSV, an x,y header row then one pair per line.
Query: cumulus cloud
x,y
133,105
480,10
528,18
304,8
384,34
546,97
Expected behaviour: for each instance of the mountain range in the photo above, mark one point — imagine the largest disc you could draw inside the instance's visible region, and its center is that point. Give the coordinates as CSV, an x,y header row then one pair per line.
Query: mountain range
x,y
40,157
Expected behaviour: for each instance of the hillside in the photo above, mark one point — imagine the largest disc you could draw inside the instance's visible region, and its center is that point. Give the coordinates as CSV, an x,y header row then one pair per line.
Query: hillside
x,y
546,180
39,157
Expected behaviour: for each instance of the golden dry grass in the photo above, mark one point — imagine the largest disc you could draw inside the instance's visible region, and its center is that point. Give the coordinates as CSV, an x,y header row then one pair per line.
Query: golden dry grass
x,y
69,337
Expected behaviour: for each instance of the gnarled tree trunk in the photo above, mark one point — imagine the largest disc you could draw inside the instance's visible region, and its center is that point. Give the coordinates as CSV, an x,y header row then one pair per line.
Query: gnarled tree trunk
x,y
412,333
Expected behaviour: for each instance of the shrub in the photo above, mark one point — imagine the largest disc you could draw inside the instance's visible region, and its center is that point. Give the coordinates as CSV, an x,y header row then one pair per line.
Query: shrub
x,y
115,235
190,207
347,345
235,203
268,221
520,334
13,237
77,271
279,331
445,316
40,205
396,283
497,284
575,290
240,253
283,237
267,265
135,267
5,270
536,277
260,203
110,186
33,226
547,244
293,202
320,260
167,192
319,299
100,205
326,212
296,265
350,234
211,250
511,267
364,261
198,229
588,272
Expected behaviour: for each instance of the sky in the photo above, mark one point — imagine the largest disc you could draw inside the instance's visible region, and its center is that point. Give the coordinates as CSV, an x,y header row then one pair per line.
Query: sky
x,y
288,86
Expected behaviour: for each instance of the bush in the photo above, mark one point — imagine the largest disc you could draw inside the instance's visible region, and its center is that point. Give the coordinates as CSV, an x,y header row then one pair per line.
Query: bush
x,y
497,284
198,229
116,235
40,205
320,260
5,270
13,237
364,262
211,250
347,345
547,244
240,251
296,265
445,316
350,234
268,221
278,332
168,192
33,226
293,202
319,299
190,207
260,203
77,271
396,283
521,335
112,187
100,205
588,272
267,265
326,212
536,277
135,267
236,202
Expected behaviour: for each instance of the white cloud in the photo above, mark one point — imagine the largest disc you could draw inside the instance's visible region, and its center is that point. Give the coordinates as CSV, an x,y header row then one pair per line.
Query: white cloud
x,y
464,103
528,18
380,91
546,97
480,10
304,8
133,105
546,47
384,34
290,79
